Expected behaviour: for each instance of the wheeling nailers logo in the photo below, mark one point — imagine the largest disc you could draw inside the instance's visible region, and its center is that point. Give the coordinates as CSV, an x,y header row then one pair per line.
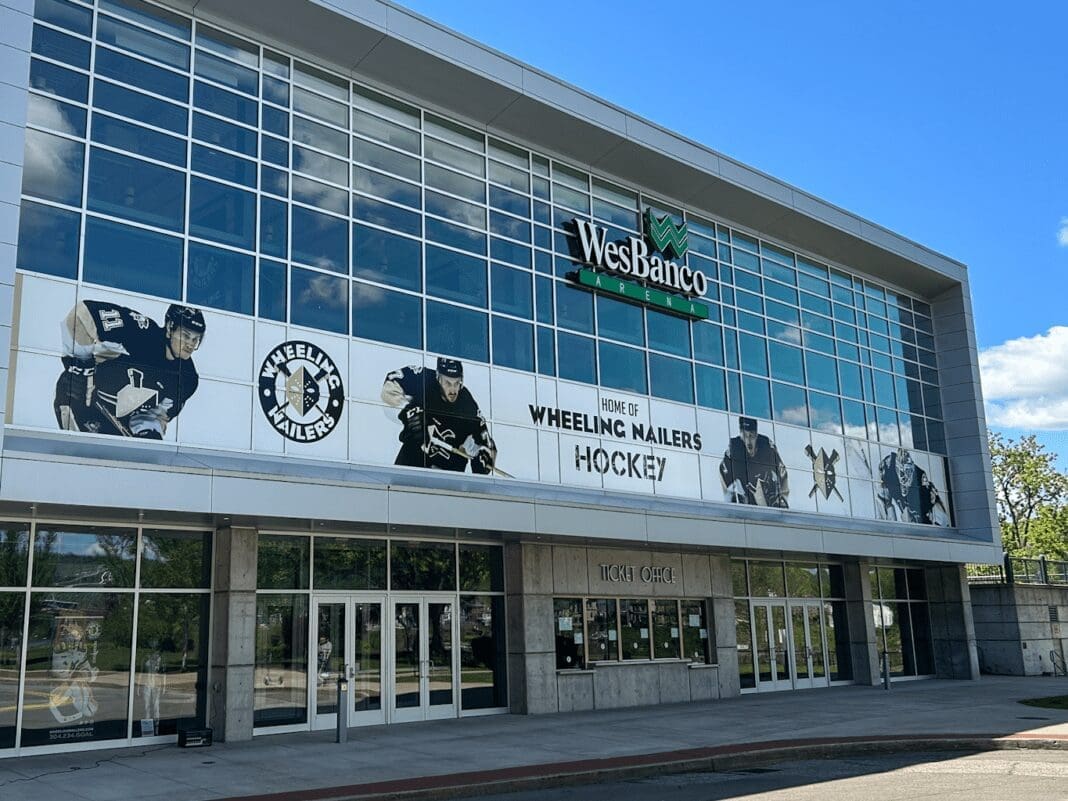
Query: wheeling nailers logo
x,y
667,237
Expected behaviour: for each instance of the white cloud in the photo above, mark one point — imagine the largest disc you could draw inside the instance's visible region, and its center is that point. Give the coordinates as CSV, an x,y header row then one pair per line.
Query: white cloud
x,y
1062,232
1025,380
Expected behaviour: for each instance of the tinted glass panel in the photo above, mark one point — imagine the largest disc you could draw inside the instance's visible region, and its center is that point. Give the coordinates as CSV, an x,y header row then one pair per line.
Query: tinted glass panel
x,y
512,292
387,187
618,320
220,278
671,378
175,559
422,566
282,563
320,239
387,316
578,361
711,391
227,104
281,651
115,256
14,552
574,308
56,80
455,276
622,368
272,290
349,564
48,112
60,46
388,258
457,332
384,214
48,239
136,190
224,214
52,168
145,76
84,557
319,301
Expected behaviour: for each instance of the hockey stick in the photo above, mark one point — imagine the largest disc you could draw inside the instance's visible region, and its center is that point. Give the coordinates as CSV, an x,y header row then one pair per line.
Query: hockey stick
x,y
126,432
464,454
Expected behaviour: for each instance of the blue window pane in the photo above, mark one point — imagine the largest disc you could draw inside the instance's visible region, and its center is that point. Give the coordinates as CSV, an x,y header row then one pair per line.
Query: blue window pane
x,y
386,187
226,104
319,300
544,288
150,16
788,404
136,106
708,342
668,332
272,290
61,47
578,361
274,181
136,190
131,258
275,91
734,391
512,292
53,167
223,165
134,139
753,353
574,309
546,351
48,239
387,258
755,400
509,201
320,239
222,213
711,391
513,344
274,226
821,372
388,216
221,279
671,378
511,227
543,237
56,80
275,151
543,262
48,112
825,413
227,73
387,160
321,196
456,276
114,65
510,252
455,236
786,363
224,134
275,121
622,368
65,15
137,40
618,320
386,316
457,332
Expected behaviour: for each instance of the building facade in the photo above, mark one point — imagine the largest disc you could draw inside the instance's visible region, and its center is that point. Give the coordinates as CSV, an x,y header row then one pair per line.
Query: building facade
x,y
343,346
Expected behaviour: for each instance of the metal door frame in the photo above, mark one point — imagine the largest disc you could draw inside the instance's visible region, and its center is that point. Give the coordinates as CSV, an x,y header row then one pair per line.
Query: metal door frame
x,y
424,711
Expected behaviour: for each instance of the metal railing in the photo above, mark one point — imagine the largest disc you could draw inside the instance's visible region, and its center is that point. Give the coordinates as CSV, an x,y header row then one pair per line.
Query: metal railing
x,y
1059,668
1020,570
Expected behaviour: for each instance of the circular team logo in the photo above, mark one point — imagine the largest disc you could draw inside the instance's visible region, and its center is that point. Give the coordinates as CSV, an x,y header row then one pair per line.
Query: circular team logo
x,y
301,391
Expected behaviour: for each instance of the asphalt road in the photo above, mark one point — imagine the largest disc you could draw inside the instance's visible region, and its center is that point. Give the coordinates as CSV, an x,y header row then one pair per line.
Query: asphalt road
x,y
1016,775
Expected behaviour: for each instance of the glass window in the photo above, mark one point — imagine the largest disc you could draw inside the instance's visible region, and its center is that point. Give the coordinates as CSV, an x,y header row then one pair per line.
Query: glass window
x,y
14,549
739,581
65,15
320,107
282,562
512,293
48,112
666,633
386,187
622,368
668,333
671,378
115,256
424,566
57,80
513,344
136,190
481,568
708,342
455,236
510,252
578,361
508,201
825,413
175,559
458,332
634,628
456,276
320,239
319,301
225,214
387,132
454,156
766,579
280,689
822,373
387,258
786,363
226,104
53,167
387,215
387,316
743,632
755,400
139,141
224,134
274,227
346,563
60,46
327,168
455,183
697,644
457,210
483,661
546,351
12,608
220,278
275,121
141,42
109,64
574,308
622,321
382,158
753,354
601,629
788,404
711,391
272,290
224,165
570,641
48,239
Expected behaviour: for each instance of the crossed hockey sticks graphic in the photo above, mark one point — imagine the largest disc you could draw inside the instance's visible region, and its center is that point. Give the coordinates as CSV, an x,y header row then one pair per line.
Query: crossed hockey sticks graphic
x,y
829,463
463,454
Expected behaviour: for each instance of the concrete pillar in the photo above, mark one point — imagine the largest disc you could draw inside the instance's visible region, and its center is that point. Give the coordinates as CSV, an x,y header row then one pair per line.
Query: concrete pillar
x,y
233,654
862,641
952,624
532,686
725,628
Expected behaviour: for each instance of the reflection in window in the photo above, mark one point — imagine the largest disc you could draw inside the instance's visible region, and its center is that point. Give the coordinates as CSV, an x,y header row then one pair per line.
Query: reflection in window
x,y
667,637
220,278
319,301
578,361
622,368
697,642
280,679
91,557
456,276
634,628
48,239
601,629
671,378
282,562
457,332
52,168
172,559
387,316
423,566
570,643
225,214
743,632
11,616
344,563
320,240
114,256
513,344
483,682
387,258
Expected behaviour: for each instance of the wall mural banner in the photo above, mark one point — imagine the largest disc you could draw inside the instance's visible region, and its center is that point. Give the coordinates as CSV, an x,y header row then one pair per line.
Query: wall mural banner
x,y
123,365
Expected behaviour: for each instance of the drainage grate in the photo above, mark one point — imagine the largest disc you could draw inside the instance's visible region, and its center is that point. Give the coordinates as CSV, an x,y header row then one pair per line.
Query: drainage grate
x,y
756,770
1054,615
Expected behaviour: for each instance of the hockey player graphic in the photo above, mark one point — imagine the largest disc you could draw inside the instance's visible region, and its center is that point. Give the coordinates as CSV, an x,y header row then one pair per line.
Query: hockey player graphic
x,y
906,493
123,374
442,426
752,471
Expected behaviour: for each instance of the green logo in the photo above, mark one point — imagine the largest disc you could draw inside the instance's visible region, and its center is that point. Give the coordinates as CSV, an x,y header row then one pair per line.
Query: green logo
x,y
668,238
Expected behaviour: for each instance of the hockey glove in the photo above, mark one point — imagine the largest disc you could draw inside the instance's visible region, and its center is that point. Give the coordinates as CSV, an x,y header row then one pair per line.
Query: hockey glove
x,y
77,380
484,460
411,418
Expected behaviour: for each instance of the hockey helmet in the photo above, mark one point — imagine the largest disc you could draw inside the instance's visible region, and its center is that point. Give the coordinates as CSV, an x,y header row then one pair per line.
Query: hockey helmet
x,y
186,317
450,368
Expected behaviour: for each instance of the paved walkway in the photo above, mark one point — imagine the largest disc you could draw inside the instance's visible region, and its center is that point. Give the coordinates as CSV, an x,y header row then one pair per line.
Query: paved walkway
x,y
437,758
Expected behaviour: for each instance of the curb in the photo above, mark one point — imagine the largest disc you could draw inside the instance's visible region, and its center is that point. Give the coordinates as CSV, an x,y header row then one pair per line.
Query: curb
x,y
712,758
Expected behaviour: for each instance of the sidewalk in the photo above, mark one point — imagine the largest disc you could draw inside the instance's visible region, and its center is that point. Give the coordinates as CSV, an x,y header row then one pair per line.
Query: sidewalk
x,y
521,751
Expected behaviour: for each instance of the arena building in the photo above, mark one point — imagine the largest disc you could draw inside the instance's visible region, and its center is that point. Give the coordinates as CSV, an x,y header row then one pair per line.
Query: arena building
x,y
342,345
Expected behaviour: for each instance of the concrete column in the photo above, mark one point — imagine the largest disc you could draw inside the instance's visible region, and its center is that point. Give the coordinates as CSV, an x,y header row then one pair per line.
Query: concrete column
x,y
725,628
233,644
532,687
952,624
862,641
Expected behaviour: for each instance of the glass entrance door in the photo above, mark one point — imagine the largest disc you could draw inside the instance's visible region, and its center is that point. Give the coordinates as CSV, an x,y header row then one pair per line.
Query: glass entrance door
x,y
790,649
423,668
772,652
347,641
809,650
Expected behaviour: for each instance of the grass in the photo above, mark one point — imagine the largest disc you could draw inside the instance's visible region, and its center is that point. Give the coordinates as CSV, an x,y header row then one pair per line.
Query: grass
x,y
1053,702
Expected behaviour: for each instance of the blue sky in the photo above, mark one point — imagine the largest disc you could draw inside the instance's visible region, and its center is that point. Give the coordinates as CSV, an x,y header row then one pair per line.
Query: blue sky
x,y
945,122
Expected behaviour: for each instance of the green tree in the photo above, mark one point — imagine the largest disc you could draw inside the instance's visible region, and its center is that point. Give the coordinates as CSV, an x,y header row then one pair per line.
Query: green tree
x,y
1032,497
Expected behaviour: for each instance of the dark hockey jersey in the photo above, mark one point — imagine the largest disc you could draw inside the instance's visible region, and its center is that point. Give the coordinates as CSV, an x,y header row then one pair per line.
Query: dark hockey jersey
x,y
763,469
126,395
445,425
908,491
